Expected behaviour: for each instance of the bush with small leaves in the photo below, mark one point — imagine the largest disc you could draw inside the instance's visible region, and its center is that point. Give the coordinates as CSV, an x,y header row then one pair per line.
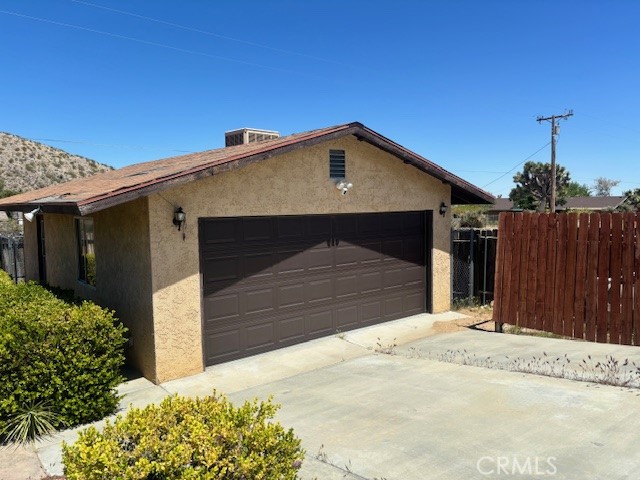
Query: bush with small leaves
x,y
64,358
183,438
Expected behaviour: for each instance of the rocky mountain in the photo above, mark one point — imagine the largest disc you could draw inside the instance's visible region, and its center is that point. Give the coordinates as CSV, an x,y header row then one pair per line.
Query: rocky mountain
x,y
27,165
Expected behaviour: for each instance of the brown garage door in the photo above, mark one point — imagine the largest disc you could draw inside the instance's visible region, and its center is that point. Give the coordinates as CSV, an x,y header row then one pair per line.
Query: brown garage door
x,y
269,282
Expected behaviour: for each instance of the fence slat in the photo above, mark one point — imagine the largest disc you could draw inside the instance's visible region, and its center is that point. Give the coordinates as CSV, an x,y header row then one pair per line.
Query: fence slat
x,y
560,272
532,269
498,300
615,269
516,245
542,258
628,239
570,275
603,277
523,267
636,311
581,276
547,319
592,278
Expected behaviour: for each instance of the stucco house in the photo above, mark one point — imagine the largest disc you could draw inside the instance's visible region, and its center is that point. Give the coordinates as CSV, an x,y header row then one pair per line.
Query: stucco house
x,y
265,243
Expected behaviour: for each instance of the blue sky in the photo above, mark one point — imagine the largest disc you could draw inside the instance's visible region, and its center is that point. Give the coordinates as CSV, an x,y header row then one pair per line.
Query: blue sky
x,y
459,82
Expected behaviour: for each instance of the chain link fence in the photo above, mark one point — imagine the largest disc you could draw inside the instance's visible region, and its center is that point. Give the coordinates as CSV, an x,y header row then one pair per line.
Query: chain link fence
x,y
473,263
12,256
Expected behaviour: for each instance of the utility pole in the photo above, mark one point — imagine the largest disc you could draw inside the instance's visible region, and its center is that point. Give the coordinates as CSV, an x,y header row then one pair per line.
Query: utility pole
x,y
555,130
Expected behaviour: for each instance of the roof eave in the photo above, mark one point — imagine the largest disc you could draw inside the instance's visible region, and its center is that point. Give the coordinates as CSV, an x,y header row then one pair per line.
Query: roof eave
x,y
109,200
68,208
461,191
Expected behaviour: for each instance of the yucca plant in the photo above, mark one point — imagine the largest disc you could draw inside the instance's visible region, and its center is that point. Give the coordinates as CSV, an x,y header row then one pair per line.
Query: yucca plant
x,y
31,422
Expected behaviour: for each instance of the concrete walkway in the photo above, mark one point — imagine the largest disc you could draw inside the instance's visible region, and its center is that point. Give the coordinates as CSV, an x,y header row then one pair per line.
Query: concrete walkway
x,y
363,414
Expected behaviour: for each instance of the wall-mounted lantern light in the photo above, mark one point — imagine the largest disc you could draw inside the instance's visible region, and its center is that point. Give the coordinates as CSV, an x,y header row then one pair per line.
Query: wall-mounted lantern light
x,y
443,209
179,217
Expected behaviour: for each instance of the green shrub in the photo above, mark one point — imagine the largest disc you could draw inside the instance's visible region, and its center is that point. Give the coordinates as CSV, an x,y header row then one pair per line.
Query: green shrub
x,y
182,438
5,278
67,357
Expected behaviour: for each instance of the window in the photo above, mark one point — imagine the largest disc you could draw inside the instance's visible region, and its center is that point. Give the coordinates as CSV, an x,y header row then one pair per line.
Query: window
x,y
337,168
86,252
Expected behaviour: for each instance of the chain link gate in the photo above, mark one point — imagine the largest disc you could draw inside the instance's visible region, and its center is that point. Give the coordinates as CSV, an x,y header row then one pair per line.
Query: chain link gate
x,y
12,256
473,258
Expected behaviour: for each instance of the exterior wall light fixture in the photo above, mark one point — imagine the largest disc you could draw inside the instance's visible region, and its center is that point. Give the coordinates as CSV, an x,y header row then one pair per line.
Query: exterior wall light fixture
x,y
179,217
344,186
443,209
29,216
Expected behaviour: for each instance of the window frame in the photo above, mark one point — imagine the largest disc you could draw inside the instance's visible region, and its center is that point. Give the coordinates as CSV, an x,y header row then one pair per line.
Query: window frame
x,y
84,248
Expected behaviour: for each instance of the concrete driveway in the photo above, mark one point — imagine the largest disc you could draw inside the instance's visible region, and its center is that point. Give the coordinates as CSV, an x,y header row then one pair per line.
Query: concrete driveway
x,y
363,414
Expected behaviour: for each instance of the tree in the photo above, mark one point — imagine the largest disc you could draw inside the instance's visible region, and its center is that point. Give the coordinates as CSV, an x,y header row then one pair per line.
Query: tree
x,y
533,186
631,201
575,189
602,186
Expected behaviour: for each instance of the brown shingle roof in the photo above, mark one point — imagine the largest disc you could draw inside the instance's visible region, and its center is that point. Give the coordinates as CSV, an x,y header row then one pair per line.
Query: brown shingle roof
x,y
593,203
572,203
87,195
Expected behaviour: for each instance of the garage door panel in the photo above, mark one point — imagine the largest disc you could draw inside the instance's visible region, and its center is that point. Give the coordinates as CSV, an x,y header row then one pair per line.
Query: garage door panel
x,y
370,282
275,281
371,312
394,278
291,329
412,251
319,226
320,323
225,344
393,307
291,228
260,335
259,301
290,261
414,302
345,227
392,249
223,307
319,257
223,231
291,295
369,252
369,224
258,265
257,229
320,290
347,317
346,286
223,269
345,255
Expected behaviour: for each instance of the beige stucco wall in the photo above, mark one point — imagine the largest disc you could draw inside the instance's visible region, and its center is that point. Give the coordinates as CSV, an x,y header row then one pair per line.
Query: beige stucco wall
x,y
31,271
123,276
123,266
291,184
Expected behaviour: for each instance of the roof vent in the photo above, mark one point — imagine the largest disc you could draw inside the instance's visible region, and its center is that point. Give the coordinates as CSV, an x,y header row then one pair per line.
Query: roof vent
x,y
243,136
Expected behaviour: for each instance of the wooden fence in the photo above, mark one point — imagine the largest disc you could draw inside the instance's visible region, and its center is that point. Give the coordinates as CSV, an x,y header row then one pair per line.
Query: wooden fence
x,y
576,275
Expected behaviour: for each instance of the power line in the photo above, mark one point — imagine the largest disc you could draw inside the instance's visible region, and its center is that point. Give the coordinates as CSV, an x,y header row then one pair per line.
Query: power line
x,y
146,42
203,32
517,165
